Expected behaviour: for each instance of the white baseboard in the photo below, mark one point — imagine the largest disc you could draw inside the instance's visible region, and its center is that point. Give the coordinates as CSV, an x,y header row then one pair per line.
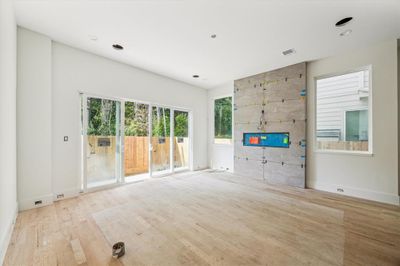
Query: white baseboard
x,y
200,169
355,192
7,238
27,204
69,193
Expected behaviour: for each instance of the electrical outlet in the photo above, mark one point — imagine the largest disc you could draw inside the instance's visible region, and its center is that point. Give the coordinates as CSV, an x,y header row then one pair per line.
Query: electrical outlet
x,y
340,189
38,202
60,196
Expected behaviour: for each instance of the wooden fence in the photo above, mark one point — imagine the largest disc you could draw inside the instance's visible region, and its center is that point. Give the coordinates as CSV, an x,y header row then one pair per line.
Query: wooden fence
x,y
101,159
136,155
343,145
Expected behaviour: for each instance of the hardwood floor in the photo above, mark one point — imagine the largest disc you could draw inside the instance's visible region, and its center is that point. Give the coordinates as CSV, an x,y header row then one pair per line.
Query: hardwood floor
x,y
208,218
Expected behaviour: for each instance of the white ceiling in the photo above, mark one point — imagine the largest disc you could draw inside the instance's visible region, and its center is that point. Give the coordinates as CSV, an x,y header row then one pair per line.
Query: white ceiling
x,y
172,37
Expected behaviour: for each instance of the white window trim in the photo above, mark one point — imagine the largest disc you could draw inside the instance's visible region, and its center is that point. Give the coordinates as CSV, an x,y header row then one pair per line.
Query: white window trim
x,y
213,120
370,114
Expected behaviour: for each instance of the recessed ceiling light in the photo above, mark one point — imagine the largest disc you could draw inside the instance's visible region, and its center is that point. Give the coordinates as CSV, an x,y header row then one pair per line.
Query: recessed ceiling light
x,y
118,47
196,76
343,21
93,37
346,33
288,52
213,36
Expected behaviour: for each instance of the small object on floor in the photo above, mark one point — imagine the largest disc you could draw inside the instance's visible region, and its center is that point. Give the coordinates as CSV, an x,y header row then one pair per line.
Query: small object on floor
x,y
118,250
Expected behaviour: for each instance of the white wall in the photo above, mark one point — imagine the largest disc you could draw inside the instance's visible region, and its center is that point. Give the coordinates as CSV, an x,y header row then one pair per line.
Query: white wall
x,y
220,156
8,175
50,78
34,119
372,177
75,70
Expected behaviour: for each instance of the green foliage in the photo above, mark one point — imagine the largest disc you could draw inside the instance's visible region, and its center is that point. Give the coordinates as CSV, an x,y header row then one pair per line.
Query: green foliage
x,y
223,118
161,122
181,124
136,119
102,117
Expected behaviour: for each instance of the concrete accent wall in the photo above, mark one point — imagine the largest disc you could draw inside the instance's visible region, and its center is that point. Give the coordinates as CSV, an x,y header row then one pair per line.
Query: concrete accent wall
x,y
279,94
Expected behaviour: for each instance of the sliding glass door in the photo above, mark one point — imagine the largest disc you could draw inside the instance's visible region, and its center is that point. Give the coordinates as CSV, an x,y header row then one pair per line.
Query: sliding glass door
x,y
136,141
160,141
102,139
125,141
181,140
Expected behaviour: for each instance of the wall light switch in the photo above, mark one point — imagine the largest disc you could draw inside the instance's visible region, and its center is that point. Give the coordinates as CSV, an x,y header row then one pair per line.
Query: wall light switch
x,y
65,138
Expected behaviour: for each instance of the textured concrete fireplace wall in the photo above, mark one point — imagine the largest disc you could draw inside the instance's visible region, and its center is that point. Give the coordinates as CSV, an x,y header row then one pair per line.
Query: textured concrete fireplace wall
x,y
281,94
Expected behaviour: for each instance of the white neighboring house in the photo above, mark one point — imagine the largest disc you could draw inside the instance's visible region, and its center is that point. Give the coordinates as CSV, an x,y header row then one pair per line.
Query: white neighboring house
x,y
342,107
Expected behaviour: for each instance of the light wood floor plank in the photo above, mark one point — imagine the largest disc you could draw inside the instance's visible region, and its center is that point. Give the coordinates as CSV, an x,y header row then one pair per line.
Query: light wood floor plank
x,y
208,218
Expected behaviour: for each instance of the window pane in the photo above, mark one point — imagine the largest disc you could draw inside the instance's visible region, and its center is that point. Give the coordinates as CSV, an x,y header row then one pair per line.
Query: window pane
x,y
160,140
136,119
357,125
342,112
103,140
102,117
161,122
181,139
223,120
136,140
181,124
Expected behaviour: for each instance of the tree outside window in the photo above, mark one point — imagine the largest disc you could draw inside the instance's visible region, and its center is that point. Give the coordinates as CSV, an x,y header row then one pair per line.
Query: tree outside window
x,y
223,120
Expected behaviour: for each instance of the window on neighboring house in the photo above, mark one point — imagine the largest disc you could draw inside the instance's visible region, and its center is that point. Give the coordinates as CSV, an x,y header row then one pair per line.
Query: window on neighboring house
x,y
223,120
342,112
356,125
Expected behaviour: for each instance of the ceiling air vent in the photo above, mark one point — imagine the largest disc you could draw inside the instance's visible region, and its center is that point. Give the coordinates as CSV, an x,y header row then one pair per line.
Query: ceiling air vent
x,y
288,52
